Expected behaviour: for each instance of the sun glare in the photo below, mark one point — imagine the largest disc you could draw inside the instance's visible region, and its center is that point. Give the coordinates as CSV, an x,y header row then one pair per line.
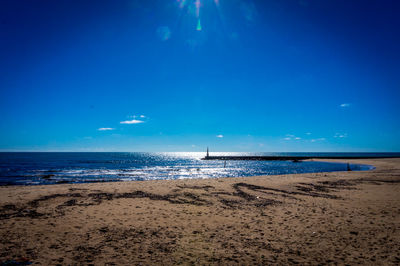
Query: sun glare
x,y
194,8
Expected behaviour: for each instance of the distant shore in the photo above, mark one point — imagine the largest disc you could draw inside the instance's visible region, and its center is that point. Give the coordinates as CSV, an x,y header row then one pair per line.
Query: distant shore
x,y
314,218
292,158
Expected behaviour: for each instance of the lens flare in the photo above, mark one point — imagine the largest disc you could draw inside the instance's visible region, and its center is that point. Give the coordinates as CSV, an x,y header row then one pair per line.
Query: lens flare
x,y
197,4
198,28
201,16
164,33
193,8
182,3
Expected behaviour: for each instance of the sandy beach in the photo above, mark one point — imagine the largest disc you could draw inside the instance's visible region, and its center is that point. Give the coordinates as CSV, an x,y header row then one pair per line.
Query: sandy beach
x,y
319,218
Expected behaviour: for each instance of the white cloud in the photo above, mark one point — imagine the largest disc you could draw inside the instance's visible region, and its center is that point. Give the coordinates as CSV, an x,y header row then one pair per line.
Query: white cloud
x,y
135,116
105,128
134,121
344,105
291,137
220,136
319,139
340,135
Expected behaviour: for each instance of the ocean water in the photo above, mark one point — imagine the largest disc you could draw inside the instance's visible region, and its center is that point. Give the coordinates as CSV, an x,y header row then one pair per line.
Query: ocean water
x,y
63,167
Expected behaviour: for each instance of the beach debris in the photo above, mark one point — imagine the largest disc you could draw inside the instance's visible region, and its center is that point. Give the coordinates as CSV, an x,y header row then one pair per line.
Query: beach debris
x,y
20,261
63,182
47,177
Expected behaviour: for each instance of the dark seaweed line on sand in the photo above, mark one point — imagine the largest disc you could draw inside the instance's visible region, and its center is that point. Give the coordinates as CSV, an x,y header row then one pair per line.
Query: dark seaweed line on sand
x,y
321,189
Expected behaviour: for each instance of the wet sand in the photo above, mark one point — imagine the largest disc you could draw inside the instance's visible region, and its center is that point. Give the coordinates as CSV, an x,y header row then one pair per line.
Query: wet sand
x,y
319,218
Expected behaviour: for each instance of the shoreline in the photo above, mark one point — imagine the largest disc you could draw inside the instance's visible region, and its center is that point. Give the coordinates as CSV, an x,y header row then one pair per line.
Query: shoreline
x,y
326,217
322,160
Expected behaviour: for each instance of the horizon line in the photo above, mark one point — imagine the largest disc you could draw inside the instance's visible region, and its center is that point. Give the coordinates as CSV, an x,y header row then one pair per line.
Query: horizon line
x,y
61,151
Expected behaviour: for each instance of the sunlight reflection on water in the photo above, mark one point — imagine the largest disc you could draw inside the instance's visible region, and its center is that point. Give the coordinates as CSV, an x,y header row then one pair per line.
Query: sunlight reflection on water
x,y
50,168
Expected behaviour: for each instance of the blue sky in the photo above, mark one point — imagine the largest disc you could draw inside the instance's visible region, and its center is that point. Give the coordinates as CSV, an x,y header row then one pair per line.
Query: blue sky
x,y
168,75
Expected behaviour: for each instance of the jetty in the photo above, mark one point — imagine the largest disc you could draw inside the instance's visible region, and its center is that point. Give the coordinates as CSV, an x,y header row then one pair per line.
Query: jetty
x,y
290,158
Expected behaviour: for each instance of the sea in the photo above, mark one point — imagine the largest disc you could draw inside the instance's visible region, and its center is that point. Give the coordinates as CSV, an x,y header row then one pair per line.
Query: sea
x,y
39,168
